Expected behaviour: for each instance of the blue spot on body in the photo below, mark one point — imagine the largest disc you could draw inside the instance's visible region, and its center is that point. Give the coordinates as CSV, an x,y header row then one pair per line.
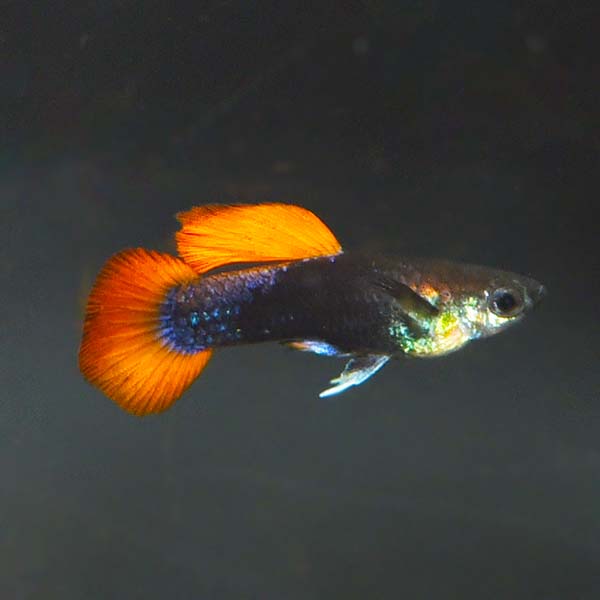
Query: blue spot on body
x,y
210,312
178,324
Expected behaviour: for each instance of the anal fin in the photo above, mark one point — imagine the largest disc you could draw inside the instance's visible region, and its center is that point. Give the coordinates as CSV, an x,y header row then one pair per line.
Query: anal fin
x,y
357,371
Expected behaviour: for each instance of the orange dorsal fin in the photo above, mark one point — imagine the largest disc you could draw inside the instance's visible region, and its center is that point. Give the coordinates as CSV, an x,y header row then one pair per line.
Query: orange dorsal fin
x,y
215,235
122,351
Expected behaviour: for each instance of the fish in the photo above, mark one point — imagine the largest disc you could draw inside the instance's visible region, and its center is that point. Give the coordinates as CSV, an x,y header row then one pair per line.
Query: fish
x,y
274,272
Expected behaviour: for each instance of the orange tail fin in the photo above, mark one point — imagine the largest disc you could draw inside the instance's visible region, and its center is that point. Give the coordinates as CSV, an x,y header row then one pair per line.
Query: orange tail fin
x,y
121,351
216,235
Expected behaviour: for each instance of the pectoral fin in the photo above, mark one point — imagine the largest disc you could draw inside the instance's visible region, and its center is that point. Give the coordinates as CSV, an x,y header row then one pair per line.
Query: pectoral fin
x,y
411,303
357,370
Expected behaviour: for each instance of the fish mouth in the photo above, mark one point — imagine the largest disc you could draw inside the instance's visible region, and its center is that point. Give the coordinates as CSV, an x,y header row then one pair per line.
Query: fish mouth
x,y
537,293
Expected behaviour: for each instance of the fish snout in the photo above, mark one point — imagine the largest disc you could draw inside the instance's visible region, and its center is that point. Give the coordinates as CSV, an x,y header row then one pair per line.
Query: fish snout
x,y
536,293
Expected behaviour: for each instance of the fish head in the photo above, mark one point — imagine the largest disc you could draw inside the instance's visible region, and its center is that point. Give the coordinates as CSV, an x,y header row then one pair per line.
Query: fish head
x,y
469,301
488,301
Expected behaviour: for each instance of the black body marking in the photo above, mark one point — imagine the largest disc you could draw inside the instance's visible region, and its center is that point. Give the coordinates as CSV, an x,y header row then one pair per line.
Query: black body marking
x,y
337,300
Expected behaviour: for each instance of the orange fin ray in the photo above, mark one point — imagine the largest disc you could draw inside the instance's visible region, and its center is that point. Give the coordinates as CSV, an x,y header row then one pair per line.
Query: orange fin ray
x,y
122,352
215,235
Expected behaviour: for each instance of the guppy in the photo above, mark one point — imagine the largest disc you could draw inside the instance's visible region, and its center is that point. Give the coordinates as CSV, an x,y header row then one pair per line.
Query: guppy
x,y
275,272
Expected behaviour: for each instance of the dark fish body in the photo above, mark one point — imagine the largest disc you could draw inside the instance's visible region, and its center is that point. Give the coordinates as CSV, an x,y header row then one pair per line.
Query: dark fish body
x,y
353,303
332,299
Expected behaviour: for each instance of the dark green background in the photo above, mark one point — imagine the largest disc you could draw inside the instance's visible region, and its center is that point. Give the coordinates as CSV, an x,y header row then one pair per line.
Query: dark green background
x,y
467,130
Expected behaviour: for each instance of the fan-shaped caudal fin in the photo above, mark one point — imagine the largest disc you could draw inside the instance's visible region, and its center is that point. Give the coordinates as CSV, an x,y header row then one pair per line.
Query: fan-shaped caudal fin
x,y
215,235
122,351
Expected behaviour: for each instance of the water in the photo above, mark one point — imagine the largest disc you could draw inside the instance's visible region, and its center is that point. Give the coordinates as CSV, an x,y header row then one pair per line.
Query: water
x,y
414,130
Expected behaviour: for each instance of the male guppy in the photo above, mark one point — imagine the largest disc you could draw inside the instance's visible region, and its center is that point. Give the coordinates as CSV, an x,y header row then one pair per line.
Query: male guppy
x,y
153,320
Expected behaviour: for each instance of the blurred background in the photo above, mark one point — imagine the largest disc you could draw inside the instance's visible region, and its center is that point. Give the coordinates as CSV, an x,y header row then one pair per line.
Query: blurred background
x,y
466,130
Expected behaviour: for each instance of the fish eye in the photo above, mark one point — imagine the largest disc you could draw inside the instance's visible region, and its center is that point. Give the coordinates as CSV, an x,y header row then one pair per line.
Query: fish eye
x,y
506,302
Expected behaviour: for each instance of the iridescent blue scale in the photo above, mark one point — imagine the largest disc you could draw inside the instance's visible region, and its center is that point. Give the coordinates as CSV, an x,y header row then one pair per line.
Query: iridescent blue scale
x,y
209,312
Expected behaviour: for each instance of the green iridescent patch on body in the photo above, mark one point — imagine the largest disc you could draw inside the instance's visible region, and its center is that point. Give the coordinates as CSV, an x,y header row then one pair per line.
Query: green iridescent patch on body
x,y
425,343
454,326
470,311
